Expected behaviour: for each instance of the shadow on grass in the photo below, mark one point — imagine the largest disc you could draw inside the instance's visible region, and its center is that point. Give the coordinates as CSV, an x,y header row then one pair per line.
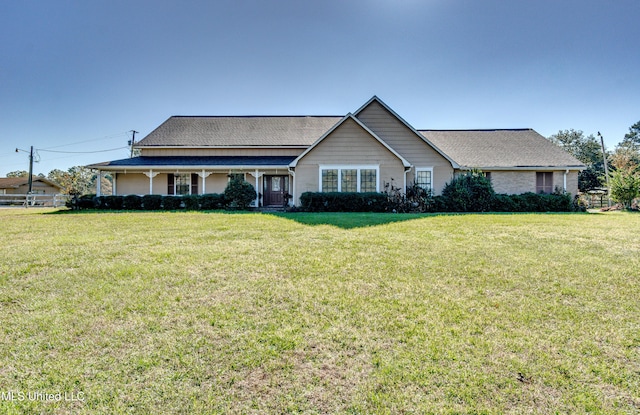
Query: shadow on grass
x,y
348,220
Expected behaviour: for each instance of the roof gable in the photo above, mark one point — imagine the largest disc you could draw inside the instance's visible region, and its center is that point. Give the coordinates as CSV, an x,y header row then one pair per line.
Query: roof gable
x,y
505,148
15,182
364,127
412,131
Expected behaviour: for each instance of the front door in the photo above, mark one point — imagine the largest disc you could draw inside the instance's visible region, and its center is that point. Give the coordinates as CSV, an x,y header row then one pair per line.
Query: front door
x,y
275,189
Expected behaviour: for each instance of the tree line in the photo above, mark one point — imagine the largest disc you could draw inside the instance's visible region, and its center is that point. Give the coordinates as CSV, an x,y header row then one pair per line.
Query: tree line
x,y
623,163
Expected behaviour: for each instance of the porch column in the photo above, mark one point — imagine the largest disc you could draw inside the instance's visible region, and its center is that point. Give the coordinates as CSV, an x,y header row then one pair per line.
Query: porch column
x,y
113,185
99,184
151,174
292,186
203,175
258,175
564,181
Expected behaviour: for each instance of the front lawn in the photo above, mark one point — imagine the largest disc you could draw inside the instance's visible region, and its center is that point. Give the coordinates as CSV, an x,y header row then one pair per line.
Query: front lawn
x,y
200,313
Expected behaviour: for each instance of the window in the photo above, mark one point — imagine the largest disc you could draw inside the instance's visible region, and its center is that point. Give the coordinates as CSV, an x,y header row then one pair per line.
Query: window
x,y
180,184
329,180
424,177
349,178
544,182
368,182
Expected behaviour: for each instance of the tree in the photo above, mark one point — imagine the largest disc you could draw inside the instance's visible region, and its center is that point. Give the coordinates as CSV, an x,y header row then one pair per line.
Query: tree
x,y
625,187
625,179
76,181
588,151
18,173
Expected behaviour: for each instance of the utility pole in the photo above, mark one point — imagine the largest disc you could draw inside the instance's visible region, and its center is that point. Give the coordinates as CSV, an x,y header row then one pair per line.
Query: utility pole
x,y
606,169
30,166
133,141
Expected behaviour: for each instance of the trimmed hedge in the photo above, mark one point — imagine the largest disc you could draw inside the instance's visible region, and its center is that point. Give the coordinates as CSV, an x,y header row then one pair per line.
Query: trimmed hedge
x,y
149,202
381,202
344,202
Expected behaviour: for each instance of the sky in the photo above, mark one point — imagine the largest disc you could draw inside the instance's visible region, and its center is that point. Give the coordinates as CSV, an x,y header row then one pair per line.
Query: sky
x,y
76,77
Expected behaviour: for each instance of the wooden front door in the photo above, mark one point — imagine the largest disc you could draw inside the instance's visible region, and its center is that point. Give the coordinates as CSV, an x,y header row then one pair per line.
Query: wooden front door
x,y
275,189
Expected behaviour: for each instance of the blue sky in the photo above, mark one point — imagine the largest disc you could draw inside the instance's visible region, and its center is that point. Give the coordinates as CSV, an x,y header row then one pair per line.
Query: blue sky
x,y
78,75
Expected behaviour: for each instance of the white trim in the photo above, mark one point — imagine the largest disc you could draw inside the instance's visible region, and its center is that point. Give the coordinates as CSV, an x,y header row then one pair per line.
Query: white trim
x,y
418,169
349,116
357,167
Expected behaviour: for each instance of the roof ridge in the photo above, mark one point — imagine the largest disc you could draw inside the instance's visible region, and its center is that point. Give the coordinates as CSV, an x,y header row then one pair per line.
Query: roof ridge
x,y
256,116
482,129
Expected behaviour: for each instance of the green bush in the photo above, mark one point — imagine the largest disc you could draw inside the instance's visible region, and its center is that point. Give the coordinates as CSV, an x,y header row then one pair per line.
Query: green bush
x,y
132,202
239,194
344,202
191,202
151,202
171,202
212,201
112,202
469,192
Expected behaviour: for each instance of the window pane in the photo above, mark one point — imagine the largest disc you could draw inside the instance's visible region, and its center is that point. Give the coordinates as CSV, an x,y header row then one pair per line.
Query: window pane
x,y
368,180
275,184
349,180
329,180
423,179
182,184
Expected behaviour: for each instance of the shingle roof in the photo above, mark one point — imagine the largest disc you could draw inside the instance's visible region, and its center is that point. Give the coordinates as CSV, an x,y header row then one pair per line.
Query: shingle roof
x,y
500,148
199,161
239,131
15,182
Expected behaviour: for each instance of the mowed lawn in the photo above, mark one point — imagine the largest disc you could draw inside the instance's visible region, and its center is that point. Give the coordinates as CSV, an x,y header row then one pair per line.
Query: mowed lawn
x,y
206,313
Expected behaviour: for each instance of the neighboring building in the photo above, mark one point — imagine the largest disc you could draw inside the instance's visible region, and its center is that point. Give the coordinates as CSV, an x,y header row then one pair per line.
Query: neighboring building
x,y
20,185
365,151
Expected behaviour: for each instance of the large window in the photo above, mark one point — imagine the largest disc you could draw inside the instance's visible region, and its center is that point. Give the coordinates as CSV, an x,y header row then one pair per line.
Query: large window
x,y
544,182
424,177
349,178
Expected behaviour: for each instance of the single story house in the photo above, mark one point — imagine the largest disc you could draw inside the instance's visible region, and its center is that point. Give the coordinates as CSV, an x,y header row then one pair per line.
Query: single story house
x,y
20,186
365,151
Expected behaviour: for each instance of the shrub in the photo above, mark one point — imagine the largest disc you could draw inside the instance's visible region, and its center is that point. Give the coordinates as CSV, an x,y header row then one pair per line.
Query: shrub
x,y
111,202
344,202
191,202
132,202
151,202
239,194
211,201
625,186
171,202
469,192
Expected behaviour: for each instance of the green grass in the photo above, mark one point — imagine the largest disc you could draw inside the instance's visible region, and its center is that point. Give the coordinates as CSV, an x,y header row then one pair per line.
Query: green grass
x,y
201,313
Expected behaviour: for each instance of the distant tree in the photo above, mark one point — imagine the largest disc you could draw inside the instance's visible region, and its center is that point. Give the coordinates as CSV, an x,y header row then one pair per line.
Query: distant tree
x,y
588,151
76,181
18,173
632,138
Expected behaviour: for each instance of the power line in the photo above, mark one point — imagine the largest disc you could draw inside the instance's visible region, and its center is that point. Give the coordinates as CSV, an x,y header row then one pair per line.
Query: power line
x,y
87,141
81,152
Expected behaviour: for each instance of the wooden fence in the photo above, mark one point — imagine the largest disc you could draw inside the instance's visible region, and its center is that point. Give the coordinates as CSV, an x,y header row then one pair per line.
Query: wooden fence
x,y
26,200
